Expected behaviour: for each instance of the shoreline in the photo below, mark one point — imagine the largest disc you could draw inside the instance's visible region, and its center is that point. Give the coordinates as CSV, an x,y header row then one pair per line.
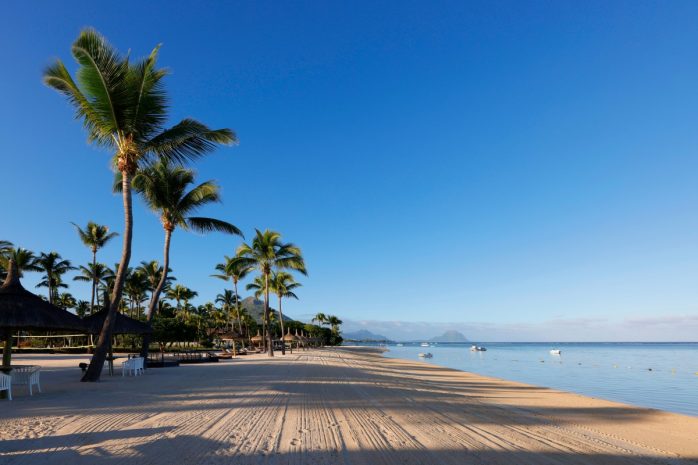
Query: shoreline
x,y
348,405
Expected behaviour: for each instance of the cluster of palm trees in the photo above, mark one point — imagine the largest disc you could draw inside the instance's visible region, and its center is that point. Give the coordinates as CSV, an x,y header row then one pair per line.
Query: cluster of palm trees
x,y
268,255
332,321
123,105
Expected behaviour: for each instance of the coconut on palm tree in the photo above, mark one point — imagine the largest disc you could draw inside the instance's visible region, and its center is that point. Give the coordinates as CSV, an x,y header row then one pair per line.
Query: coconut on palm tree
x,y
169,191
266,252
235,271
123,106
54,267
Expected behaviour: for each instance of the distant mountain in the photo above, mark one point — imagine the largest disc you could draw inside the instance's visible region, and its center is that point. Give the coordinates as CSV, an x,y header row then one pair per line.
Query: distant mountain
x,y
364,336
255,308
449,336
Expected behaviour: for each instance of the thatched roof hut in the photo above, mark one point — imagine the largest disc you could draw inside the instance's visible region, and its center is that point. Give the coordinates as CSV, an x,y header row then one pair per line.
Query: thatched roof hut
x,y
122,324
20,309
290,337
257,338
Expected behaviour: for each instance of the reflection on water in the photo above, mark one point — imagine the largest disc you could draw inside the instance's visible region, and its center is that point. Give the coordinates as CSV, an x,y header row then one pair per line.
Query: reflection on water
x,y
663,376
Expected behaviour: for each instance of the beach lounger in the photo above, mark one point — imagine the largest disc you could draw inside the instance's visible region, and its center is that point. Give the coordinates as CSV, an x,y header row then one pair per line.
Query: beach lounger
x,y
6,384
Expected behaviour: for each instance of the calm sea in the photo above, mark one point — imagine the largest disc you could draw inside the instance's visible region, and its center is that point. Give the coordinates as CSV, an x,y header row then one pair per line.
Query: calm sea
x,y
656,375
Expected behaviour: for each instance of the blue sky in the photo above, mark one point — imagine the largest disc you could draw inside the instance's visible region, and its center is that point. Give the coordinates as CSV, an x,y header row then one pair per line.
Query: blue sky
x,y
516,170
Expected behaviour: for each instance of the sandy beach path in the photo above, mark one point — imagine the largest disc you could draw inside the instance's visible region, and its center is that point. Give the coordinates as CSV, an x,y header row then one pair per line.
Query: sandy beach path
x,y
334,406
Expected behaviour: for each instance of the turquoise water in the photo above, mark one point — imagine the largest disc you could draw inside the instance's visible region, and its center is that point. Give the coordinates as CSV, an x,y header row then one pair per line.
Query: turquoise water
x,y
657,375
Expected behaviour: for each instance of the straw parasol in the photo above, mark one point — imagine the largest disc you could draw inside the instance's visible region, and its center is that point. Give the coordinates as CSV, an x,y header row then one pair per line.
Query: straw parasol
x,y
290,337
256,339
20,309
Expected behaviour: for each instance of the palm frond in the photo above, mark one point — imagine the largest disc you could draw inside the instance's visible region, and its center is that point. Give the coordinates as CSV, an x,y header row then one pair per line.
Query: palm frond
x,y
204,225
188,140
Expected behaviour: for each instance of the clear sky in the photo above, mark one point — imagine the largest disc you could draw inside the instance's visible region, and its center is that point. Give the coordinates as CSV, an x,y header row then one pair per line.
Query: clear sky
x,y
515,170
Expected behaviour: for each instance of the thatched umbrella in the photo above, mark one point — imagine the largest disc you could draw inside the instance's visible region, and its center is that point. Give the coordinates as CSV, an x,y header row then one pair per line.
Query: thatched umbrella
x,y
22,310
288,337
223,334
256,339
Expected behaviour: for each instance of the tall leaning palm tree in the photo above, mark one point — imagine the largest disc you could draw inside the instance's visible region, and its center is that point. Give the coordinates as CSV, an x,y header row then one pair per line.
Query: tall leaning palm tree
x,y
123,106
54,267
235,271
283,284
168,191
266,252
94,236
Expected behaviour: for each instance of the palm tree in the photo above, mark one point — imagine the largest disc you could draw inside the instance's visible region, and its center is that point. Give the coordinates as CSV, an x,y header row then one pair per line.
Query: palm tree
x,y
283,284
266,253
181,294
153,272
95,236
95,273
228,300
320,318
53,266
82,308
5,247
166,190
123,107
235,271
23,258
334,323
65,301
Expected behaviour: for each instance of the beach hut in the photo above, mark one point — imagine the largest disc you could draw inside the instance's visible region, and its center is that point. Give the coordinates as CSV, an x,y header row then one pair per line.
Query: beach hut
x,y
257,340
226,335
290,338
122,324
22,310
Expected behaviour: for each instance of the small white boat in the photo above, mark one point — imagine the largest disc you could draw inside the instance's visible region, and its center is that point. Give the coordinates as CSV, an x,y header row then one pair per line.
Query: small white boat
x,y
478,349
425,355
399,345
556,352
424,344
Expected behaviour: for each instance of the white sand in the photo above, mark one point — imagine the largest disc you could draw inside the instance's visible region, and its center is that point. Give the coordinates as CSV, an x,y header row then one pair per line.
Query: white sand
x,y
343,406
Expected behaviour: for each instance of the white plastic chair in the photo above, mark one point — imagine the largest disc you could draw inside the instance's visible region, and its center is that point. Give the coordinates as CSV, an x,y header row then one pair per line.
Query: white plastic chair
x,y
27,375
140,365
6,384
132,366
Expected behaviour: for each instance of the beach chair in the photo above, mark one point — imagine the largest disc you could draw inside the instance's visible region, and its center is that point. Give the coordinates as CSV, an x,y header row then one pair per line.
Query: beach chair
x,y
29,376
6,384
139,368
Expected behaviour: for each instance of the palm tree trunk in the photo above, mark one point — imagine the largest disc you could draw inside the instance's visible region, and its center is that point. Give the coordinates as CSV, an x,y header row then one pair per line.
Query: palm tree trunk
x,y
237,305
281,319
155,297
270,336
94,370
94,281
